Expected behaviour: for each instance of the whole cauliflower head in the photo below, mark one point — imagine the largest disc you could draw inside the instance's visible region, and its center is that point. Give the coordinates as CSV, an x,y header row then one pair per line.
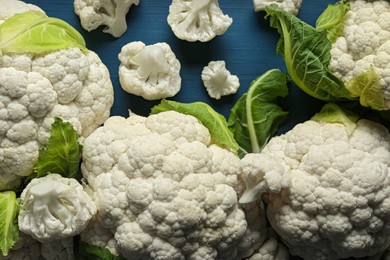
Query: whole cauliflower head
x,y
150,71
291,6
197,20
364,45
69,83
337,203
111,13
163,191
218,80
54,207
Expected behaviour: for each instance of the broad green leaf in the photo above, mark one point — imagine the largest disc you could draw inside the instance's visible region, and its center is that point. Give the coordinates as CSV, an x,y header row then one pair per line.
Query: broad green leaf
x,y
215,122
306,52
367,87
9,231
63,152
332,113
90,252
256,116
332,19
34,32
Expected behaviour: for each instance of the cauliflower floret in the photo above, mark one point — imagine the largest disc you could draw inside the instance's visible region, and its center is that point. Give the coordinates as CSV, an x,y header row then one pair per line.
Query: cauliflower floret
x,y
197,20
291,6
112,13
218,80
337,203
11,7
364,44
67,84
163,191
150,71
54,207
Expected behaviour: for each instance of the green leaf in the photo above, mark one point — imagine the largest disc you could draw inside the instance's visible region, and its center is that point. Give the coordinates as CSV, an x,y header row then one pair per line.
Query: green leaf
x,y
9,231
332,19
215,122
332,113
34,32
256,116
367,87
63,152
90,252
306,52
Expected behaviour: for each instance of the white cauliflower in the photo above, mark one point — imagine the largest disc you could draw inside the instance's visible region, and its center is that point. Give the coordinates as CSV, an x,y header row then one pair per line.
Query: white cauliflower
x,y
364,45
218,80
163,191
337,203
291,6
197,20
150,71
54,208
11,7
70,83
112,13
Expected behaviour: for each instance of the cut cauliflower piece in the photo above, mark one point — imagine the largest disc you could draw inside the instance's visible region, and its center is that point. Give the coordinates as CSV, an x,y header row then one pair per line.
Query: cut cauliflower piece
x,y
163,191
336,205
37,85
111,13
54,208
291,6
197,20
150,71
218,80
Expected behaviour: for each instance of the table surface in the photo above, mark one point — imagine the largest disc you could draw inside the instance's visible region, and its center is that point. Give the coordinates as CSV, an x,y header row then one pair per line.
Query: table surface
x,y
248,47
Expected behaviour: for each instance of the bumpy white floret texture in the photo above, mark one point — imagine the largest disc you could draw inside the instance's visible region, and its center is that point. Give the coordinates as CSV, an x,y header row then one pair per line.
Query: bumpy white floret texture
x,y
218,80
338,202
54,208
111,13
12,7
364,43
150,71
197,20
164,192
34,90
291,6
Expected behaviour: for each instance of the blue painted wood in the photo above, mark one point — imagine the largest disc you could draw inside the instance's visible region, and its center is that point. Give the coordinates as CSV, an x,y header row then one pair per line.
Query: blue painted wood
x,y
248,47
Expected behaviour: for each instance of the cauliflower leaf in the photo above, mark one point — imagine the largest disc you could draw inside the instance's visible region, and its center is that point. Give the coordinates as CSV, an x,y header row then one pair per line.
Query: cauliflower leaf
x,y
9,232
256,116
215,122
34,32
63,152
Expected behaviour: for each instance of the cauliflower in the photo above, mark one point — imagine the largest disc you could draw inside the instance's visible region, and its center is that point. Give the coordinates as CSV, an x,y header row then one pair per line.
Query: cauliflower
x,y
218,80
112,13
364,45
197,20
150,71
62,80
345,57
337,202
291,6
54,207
271,249
11,7
164,191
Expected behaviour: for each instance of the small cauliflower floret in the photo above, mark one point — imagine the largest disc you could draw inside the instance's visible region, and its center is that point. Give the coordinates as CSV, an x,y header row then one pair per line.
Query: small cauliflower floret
x,y
11,7
363,46
271,249
54,207
111,13
197,20
291,6
337,203
218,80
163,191
150,71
